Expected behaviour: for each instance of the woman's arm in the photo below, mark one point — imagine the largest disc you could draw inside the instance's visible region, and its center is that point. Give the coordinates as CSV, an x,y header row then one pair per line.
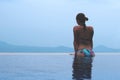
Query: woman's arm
x,y
75,38
92,38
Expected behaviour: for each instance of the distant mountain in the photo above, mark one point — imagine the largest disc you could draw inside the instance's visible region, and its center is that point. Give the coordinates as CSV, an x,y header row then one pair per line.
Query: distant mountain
x,y
102,48
6,47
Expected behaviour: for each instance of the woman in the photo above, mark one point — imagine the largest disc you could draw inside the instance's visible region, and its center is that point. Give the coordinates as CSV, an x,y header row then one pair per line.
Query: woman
x,y
83,36
83,45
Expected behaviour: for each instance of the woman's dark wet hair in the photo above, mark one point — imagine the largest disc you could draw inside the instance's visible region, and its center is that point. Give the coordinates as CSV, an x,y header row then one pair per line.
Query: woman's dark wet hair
x,y
81,18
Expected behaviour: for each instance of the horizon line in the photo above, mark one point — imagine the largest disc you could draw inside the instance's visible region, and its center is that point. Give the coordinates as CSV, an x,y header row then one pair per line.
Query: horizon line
x,y
54,54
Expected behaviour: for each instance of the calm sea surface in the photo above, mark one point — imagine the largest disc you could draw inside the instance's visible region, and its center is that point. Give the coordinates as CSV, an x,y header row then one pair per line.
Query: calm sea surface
x,y
55,66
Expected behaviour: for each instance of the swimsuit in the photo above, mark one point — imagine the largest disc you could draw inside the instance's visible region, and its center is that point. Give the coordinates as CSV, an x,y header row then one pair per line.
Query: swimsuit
x,y
86,52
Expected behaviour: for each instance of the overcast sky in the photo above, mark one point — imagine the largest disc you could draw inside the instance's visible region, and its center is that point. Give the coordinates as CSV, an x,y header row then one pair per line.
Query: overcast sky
x,y
51,22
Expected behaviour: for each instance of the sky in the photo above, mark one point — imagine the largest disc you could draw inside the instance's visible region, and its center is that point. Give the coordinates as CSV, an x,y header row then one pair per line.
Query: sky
x,y
50,22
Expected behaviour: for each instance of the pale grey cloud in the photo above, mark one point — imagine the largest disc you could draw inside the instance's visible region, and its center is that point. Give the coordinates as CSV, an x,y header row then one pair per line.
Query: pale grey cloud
x,y
50,22
7,0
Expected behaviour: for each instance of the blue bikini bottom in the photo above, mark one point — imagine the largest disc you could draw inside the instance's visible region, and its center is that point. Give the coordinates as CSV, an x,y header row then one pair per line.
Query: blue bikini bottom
x,y
86,52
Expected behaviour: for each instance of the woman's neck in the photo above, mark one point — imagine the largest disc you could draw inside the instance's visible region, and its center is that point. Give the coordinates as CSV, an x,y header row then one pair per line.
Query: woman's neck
x,y
81,24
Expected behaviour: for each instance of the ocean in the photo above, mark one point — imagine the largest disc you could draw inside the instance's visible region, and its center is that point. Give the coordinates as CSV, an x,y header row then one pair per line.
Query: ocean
x,y
55,66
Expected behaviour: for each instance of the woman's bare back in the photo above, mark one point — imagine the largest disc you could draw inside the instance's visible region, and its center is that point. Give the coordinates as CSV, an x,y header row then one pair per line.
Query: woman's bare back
x,y
83,38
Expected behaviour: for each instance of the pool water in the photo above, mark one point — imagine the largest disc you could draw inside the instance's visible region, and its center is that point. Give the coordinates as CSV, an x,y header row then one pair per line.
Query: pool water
x,y
56,67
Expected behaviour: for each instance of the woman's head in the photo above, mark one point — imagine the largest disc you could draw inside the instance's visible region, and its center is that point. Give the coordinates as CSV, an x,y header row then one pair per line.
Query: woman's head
x,y
81,18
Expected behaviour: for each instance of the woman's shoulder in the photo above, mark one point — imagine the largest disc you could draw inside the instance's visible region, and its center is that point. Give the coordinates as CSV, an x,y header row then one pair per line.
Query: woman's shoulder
x,y
90,27
76,28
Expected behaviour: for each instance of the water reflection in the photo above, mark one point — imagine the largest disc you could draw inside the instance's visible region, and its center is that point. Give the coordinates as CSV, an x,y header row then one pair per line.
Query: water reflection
x,y
82,68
